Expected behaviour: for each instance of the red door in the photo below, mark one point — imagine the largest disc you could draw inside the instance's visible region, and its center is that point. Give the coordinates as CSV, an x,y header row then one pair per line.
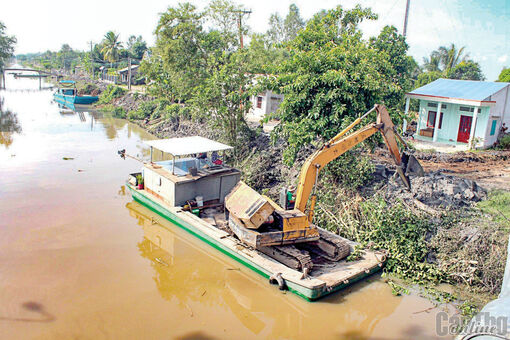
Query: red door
x,y
464,129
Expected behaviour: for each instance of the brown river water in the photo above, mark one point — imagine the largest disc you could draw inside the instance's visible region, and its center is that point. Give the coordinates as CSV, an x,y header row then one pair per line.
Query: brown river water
x,y
79,259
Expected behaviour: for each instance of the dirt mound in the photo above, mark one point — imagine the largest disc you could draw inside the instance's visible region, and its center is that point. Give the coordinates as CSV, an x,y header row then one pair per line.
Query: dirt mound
x,y
463,157
436,189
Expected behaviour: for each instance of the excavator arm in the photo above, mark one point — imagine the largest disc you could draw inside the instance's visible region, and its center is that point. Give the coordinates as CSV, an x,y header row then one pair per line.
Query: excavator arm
x,y
338,145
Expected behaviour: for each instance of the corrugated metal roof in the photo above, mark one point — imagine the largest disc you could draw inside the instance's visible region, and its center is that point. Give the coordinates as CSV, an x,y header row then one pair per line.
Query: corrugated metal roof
x,y
460,89
187,145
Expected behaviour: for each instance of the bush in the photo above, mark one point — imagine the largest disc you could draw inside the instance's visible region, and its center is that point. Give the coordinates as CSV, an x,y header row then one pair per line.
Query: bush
x,y
352,170
377,225
504,142
119,112
88,89
110,94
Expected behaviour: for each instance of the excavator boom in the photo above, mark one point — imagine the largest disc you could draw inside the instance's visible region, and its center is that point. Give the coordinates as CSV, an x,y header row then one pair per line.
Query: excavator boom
x,y
338,145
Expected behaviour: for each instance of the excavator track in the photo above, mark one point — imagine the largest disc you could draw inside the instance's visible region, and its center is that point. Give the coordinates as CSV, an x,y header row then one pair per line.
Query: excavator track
x,y
290,256
329,246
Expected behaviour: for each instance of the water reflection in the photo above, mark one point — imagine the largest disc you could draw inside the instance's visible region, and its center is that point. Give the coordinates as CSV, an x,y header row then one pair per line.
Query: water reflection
x,y
9,125
181,274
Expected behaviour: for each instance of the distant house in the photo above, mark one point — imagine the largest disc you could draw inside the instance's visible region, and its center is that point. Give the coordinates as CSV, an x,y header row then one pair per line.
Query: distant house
x,y
264,103
124,74
470,112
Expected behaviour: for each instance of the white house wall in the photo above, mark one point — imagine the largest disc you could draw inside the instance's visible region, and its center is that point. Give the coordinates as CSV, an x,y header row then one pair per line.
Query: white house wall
x,y
270,103
451,120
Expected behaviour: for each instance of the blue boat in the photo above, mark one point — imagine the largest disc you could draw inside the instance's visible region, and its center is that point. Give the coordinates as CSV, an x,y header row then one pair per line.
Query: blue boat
x,y
67,94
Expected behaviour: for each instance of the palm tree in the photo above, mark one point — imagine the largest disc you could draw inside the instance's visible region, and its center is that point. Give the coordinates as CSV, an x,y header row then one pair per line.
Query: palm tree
x,y
111,46
450,57
432,64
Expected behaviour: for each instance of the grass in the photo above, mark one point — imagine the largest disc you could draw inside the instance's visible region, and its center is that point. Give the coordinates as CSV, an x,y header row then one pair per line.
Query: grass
x,y
498,205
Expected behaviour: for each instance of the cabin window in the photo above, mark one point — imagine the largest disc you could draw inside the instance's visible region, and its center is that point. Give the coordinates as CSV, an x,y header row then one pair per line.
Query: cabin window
x,y
431,119
493,127
259,102
443,106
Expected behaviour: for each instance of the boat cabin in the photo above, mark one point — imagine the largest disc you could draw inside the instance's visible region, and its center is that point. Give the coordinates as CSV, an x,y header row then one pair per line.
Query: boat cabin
x,y
194,172
67,88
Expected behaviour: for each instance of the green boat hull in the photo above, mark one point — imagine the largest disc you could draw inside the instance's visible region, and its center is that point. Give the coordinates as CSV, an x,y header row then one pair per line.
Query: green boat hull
x,y
73,100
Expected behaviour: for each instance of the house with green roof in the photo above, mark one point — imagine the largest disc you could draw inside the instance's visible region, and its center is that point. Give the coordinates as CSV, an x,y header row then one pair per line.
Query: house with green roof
x,y
462,112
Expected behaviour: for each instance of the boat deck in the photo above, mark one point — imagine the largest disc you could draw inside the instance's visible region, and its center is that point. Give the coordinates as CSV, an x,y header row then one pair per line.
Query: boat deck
x,y
325,277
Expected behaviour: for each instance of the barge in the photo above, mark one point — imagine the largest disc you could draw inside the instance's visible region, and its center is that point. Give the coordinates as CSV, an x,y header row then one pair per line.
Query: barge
x,y
190,190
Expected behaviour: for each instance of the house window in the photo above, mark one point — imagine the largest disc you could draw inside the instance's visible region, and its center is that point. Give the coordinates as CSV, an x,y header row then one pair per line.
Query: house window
x,y
467,109
434,105
259,102
493,127
431,119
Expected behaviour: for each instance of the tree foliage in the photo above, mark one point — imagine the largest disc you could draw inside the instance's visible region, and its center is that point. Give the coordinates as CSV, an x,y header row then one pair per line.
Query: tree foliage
x,y
6,46
111,46
197,61
504,76
449,62
333,75
282,30
136,47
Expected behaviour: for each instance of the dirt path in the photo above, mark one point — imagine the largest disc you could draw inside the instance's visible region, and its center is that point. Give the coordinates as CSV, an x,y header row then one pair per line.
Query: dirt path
x,y
489,169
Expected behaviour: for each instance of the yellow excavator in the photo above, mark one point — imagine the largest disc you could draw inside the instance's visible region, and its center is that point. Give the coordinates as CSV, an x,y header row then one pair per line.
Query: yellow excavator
x,y
288,235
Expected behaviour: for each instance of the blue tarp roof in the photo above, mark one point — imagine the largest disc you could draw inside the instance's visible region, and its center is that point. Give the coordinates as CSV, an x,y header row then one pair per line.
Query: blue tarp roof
x,y
460,89
67,82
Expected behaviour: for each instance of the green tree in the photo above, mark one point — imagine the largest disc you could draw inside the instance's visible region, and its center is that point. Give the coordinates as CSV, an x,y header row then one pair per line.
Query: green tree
x,y
467,70
449,62
136,47
282,30
6,46
504,76
276,32
224,16
222,97
333,75
451,56
432,64
111,47
293,23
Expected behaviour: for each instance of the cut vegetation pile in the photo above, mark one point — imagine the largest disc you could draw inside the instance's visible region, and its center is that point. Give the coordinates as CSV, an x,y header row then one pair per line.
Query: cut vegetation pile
x,y
436,189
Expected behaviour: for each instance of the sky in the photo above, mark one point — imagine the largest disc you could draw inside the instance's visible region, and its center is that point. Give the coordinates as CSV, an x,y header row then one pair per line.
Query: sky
x,y
482,26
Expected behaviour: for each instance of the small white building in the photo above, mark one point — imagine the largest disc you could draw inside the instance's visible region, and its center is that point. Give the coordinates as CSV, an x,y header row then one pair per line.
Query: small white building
x,y
470,112
264,103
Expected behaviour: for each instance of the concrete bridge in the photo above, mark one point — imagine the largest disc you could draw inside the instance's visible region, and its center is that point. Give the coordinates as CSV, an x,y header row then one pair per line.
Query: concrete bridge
x,y
40,72
33,70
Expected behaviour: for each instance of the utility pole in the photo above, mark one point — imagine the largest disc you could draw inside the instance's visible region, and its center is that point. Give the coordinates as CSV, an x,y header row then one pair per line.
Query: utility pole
x,y
91,61
129,73
406,17
240,14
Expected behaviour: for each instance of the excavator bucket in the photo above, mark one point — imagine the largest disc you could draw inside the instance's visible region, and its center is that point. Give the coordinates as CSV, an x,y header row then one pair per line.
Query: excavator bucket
x,y
411,165
406,164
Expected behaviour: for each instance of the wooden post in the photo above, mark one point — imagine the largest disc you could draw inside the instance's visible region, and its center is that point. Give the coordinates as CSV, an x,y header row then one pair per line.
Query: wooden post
x,y
129,73
404,126
436,122
473,128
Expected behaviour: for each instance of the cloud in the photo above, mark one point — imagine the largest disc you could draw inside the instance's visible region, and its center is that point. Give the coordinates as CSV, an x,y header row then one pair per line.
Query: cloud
x,y
503,58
